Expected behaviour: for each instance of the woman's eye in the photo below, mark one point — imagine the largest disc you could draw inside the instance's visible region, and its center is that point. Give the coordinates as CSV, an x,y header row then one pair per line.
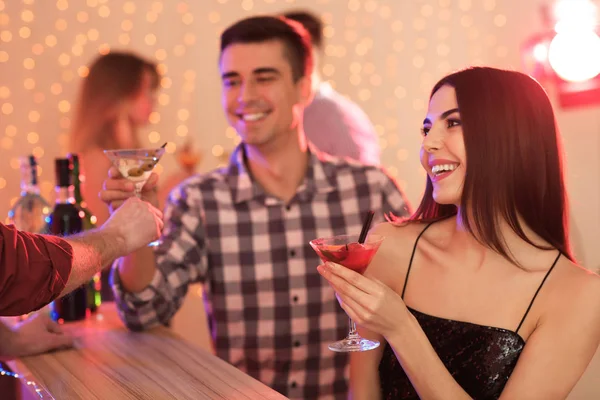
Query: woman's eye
x,y
425,131
453,122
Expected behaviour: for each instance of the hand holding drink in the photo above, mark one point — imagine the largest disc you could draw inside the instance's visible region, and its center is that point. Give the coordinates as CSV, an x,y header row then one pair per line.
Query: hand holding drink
x,y
136,223
354,252
131,172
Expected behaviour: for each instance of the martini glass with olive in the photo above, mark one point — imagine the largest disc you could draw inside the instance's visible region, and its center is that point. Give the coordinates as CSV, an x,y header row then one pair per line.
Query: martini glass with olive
x,y
136,165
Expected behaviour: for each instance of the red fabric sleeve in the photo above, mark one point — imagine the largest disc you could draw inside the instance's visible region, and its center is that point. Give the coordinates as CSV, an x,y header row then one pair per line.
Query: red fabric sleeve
x,y
34,270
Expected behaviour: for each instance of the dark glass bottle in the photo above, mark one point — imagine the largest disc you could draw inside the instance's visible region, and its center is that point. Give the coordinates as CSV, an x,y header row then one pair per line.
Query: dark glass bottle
x,y
89,222
66,220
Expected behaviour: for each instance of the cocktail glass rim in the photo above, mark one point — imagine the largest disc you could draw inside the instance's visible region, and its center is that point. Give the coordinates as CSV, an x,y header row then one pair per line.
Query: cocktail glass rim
x,y
161,149
371,238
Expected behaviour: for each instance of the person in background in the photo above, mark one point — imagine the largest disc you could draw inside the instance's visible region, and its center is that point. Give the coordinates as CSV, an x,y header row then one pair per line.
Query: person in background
x,y
477,295
115,100
37,269
244,230
332,122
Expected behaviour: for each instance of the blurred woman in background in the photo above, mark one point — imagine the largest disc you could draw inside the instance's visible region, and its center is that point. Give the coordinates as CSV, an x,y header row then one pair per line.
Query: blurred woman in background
x,y
115,100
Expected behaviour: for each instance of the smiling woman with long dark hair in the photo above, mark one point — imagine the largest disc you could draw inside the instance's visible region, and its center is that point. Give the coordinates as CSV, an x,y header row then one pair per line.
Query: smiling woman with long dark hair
x,y
477,295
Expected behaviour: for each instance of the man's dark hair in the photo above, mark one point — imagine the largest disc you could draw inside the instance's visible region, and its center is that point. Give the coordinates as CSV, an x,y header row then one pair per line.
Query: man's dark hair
x,y
295,39
311,22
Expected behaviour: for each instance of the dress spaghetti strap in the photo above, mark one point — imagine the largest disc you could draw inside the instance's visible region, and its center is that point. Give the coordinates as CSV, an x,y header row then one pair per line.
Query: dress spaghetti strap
x,y
537,291
413,256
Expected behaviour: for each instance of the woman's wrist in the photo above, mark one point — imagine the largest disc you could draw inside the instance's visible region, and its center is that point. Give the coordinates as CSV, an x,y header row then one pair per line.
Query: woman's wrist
x,y
405,326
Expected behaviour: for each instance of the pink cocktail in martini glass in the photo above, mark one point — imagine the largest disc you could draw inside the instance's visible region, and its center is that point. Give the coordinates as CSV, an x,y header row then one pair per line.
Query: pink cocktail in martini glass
x,y
348,252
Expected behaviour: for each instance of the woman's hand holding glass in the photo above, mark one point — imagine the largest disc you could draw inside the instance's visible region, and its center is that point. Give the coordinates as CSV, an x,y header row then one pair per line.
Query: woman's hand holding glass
x,y
369,302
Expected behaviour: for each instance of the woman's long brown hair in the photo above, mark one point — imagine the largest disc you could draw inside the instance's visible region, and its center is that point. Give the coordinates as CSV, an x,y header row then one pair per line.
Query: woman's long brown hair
x,y
112,78
515,161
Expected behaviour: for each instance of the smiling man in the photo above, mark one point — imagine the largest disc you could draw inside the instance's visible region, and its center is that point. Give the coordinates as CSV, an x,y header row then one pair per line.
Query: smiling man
x,y
244,231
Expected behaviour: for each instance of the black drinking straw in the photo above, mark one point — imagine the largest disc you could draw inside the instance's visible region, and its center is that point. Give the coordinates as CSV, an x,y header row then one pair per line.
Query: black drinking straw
x,y
366,226
164,145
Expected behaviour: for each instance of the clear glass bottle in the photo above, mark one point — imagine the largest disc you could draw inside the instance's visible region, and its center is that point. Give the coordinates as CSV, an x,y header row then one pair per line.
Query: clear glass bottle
x,y
89,222
30,212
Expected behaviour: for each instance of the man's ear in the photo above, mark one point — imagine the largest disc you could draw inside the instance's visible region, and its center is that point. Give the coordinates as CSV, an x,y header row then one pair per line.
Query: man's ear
x,y
304,90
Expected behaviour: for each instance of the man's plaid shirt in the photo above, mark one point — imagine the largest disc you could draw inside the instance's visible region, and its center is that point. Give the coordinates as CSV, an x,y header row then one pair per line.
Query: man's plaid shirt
x,y
270,312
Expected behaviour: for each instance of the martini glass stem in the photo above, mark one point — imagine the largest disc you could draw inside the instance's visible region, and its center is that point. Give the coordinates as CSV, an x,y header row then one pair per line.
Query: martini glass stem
x,y
352,334
137,190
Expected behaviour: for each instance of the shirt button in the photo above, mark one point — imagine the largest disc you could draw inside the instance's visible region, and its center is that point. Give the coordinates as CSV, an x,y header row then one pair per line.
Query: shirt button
x,y
293,385
297,343
292,253
295,299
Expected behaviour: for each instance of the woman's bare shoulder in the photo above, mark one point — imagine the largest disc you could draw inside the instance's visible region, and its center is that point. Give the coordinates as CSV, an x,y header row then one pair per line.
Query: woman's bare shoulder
x,y
391,261
578,281
399,230
403,234
573,290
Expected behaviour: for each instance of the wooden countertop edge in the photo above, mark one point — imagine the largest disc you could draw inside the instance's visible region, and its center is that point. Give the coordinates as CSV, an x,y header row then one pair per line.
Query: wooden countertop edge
x,y
36,389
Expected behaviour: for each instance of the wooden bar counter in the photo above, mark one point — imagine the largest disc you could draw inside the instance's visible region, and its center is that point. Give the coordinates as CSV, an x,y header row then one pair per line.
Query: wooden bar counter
x,y
109,362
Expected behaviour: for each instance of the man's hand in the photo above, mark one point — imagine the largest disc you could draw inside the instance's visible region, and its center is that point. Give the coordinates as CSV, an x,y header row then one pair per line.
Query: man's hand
x,y
37,334
135,223
117,189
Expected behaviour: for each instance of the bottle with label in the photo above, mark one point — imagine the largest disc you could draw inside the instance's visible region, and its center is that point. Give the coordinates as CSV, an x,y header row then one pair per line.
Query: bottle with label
x,y
89,222
66,220
31,210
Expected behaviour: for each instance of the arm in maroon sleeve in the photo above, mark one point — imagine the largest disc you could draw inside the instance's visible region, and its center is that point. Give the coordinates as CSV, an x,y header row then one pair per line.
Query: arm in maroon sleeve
x,y
34,270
